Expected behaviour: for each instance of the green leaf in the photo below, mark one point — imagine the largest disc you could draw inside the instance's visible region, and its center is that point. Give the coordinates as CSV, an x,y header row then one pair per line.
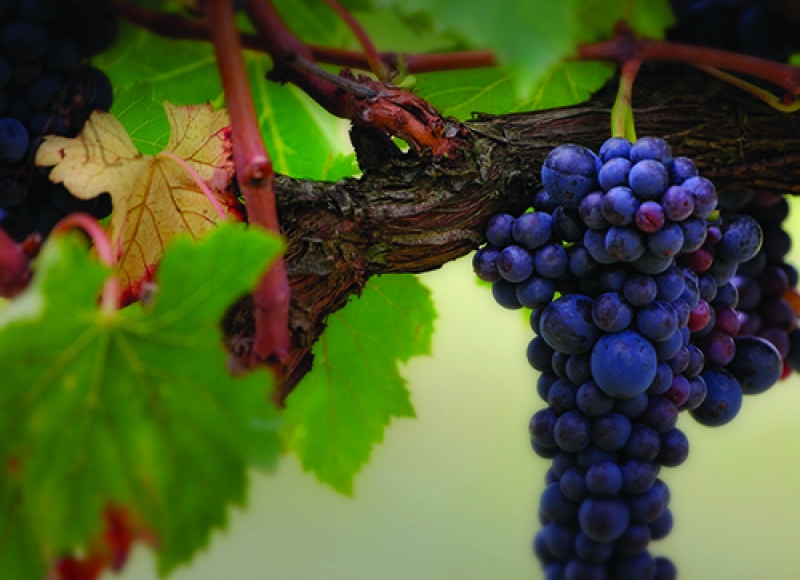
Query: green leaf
x,y
597,18
144,119
20,555
134,407
529,36
341,408
491,90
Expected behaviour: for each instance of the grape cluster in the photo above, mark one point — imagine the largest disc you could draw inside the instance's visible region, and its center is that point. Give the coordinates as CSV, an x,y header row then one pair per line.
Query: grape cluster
x,y
627,268
767,29
767,284
46,88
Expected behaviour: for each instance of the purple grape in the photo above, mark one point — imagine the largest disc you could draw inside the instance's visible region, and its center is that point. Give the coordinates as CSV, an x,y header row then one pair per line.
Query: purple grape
x,y
567,225
604,479
562,396
611,313
484,263
614,173
624,243
651,148
556,506
649,217
633,407
648,179
644,443
569,173
539,355
757,364
677,202
592,551
498,230
595,243
741,239
680,169
640,290
641,566
590,211
515,264
662,525
572,431
674,448
646,507
694,234
550,260
661,414
535,292
638,476
667,241
619,206
559,539
657,321
541,428
634,540
592,401
623,363
723,399
613,148
566,324
505,294
580,262
532,230
704,195
603,519
579,369
610,431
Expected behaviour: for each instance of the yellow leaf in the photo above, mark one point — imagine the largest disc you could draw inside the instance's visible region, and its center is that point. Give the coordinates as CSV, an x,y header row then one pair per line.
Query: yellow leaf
x,y
154,197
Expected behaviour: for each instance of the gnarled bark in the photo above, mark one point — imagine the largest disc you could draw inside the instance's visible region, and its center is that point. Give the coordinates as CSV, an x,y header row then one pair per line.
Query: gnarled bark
x,y
415,213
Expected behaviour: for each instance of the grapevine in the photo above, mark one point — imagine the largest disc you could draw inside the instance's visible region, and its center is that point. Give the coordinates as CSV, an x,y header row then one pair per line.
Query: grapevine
x,y
241,291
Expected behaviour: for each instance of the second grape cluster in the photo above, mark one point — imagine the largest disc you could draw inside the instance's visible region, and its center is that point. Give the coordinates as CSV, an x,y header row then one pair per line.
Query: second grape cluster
x,y
626,266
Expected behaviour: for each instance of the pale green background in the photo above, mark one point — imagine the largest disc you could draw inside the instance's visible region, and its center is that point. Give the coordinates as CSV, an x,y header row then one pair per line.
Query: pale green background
x,y
453,494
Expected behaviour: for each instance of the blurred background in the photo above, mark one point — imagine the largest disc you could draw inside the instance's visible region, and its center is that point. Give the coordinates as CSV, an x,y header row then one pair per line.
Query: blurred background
x,y
453,494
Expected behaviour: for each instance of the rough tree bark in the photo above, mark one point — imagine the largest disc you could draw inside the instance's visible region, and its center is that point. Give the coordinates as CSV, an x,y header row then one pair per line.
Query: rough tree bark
x,y
413,213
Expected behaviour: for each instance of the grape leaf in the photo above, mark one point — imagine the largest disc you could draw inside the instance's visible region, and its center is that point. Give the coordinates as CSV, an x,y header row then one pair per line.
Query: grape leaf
x,y
491,90
133,407
341,408
143,118
20,556
154,197
596,18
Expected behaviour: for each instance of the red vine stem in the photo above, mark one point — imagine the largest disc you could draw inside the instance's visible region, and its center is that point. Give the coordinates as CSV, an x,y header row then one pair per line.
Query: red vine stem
x,y
15,266
109,302
255,175
376,65
177,27
623,48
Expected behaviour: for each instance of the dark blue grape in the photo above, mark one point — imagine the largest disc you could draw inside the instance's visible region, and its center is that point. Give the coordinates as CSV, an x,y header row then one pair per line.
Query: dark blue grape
x,y
560,539
757,364
591,211
613,148
603,519
694,234
572,431
648,179
592,401
604,479
638,476
505,294
665,569
539,354
718,348
633,407
595,243
677,202
667,241
679,390
573,484
662,525
619,206
580,262
42,92
544,202
741,239
611,313
634,540
498,230
614,173
544,385
674,448
562,396
611,431
680,169
567,225
569,173
623,363
624,243
670,285
663,379
652,264
646,507
532,230
24,40
592,551
535,292
657,321
579,570
660,414
593,454
556,506
566,324
651,148
579,369
541,428
550,260
640,290
562,462
723,399
515,264
13,140
704,194
484,264
559,363
644,443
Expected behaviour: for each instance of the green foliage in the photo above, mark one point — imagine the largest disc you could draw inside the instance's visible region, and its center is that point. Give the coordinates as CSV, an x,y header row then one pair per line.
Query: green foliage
x,y
132,407
340,410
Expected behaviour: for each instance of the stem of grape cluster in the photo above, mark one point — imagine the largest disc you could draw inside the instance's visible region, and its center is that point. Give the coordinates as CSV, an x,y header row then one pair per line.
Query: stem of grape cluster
x,y
109,301
622,124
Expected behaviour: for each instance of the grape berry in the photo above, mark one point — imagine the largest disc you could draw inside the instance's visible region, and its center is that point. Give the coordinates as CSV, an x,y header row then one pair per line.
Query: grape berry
x,y
632,275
